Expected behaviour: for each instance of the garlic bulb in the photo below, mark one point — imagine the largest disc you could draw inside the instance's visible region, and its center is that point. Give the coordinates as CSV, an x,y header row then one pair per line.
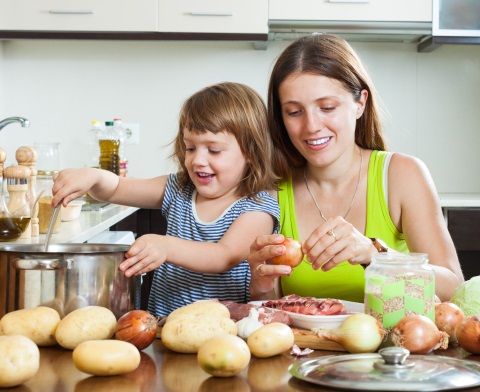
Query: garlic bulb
x,y
249,324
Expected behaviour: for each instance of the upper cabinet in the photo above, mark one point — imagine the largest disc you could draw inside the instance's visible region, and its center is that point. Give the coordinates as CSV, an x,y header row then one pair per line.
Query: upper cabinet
x,y
79,15
352,10
213,16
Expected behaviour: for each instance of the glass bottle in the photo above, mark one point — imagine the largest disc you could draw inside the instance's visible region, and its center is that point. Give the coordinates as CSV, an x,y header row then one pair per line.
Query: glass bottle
x,y
45,209
120,132
399,284
93,148
109,143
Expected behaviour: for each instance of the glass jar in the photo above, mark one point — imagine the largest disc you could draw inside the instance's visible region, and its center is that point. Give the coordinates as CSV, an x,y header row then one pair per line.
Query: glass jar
x,y
45,209
399,284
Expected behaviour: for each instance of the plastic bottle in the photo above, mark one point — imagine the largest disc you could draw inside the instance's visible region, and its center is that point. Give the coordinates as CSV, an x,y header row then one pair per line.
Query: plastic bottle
x,y
120,131
93,155
109,143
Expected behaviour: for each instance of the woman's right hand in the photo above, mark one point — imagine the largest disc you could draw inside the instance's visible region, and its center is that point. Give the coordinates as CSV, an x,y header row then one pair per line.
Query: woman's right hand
x,y
263,271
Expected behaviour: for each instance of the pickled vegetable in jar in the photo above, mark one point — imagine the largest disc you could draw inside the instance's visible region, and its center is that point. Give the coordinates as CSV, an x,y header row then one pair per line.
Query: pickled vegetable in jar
x,y
397,285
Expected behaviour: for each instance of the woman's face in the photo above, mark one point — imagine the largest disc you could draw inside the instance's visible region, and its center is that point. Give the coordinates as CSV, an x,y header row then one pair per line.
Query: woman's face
x,y
319,115
215,162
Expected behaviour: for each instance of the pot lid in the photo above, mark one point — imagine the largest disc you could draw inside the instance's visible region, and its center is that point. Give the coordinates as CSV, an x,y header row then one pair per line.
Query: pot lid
x,y
392,369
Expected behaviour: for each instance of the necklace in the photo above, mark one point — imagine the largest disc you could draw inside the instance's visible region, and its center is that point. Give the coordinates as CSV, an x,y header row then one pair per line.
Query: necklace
x,y
354,194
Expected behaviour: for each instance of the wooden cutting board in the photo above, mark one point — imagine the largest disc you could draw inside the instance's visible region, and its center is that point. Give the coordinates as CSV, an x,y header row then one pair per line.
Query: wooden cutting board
x,y
305,338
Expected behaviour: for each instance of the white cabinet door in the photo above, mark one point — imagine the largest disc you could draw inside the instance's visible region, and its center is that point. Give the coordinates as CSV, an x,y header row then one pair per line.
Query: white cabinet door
x,y
79,15
352,10
213,16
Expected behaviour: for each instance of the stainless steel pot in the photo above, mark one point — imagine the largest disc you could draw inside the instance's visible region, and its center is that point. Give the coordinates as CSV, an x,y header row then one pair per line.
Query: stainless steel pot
x,y
67,277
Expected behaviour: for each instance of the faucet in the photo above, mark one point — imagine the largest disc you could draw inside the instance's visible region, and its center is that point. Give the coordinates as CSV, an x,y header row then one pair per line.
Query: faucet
x,y
23,121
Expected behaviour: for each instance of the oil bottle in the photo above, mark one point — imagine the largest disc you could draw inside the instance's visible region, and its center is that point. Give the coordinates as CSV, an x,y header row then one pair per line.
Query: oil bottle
x,y
109,145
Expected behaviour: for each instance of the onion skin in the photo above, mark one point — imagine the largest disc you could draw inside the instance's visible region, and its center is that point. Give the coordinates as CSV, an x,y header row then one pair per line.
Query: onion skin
x,y
447,318
358,333
137,327
293,255
418,334
468,334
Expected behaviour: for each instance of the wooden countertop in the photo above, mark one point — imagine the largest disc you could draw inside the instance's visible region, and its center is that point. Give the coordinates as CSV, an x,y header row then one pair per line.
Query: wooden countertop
x,y
163,370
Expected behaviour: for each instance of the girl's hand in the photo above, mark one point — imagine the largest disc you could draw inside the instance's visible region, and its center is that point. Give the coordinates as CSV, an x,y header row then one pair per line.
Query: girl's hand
x,y
263,272
146,254
335,241
70,184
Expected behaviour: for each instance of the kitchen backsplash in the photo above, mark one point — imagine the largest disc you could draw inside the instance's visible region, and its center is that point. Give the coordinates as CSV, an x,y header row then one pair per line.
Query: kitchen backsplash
x,y
431,99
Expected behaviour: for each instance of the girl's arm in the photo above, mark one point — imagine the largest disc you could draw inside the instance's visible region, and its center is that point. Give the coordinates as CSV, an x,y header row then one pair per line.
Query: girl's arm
x,y
415,209
150,251
103,185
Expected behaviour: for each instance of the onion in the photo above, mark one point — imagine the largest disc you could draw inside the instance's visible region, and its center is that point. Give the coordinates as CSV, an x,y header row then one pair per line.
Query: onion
x,y
293,255
468,334
447,318
137,327
418,334
358,333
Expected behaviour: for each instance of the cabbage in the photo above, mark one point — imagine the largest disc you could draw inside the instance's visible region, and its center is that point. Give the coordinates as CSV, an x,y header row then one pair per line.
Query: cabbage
x,y
467,296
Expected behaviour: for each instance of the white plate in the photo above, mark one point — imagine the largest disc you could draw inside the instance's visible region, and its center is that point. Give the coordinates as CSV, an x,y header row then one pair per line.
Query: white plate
x,y
308,322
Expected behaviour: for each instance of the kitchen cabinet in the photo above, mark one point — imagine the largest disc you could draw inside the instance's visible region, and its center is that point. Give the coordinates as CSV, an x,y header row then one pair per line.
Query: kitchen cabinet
x,y
135,20
213,16
352,10
464,227
79,15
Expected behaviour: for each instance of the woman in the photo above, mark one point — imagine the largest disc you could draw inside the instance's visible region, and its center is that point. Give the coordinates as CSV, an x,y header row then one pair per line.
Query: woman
x,y
342,195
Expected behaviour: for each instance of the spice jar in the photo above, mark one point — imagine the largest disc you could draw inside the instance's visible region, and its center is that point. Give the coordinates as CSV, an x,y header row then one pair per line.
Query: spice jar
x,y
45,209
397,285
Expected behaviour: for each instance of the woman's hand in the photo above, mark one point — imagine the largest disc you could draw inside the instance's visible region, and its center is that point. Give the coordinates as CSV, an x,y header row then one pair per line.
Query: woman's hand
x,y
263,272
335,241
146,254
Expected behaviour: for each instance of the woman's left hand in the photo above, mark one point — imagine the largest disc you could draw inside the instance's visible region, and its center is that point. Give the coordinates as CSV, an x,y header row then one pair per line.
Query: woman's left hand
x,y
335,241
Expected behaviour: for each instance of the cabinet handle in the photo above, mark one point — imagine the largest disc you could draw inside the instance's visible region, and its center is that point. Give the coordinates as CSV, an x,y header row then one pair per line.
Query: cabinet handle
x,y
204,13
348,1
83,12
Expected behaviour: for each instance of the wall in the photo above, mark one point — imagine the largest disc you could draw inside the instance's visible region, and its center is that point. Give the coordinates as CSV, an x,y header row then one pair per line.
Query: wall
x,y
60,86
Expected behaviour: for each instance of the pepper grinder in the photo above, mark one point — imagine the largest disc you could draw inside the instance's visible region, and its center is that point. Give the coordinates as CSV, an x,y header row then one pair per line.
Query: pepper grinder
x,y
3,157
27,156
17,186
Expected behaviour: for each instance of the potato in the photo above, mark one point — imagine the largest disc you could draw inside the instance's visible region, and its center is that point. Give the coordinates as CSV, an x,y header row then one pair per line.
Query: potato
x,y
19,360
185,333
39,324
207,306
224,355
89,323
271,339
106,357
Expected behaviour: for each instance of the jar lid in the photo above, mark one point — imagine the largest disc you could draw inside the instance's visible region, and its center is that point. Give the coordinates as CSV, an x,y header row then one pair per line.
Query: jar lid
x,y
46,173
392,369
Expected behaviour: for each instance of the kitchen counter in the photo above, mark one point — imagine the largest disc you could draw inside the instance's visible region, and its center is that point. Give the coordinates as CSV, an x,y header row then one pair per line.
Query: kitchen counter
x,y
87,226
459,200
164,370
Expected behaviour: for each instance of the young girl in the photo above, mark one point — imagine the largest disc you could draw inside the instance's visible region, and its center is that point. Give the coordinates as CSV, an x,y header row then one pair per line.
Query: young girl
x,y
215,205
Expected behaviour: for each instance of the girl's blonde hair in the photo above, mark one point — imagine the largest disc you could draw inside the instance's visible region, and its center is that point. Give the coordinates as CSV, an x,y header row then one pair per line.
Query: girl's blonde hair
x,y
239,110
333,57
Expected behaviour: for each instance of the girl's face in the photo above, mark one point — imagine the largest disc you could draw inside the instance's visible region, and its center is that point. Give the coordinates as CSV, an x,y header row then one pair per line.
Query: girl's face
x,y
319,115
215,163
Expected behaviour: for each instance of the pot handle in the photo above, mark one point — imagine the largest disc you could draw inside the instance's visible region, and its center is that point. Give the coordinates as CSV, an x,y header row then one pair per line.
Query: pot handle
x,y
42,264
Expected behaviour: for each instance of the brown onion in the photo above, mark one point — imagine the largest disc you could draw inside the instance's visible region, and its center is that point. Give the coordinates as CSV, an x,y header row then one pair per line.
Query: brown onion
x,y
137,327
468,334
293,255
447,318
418,334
